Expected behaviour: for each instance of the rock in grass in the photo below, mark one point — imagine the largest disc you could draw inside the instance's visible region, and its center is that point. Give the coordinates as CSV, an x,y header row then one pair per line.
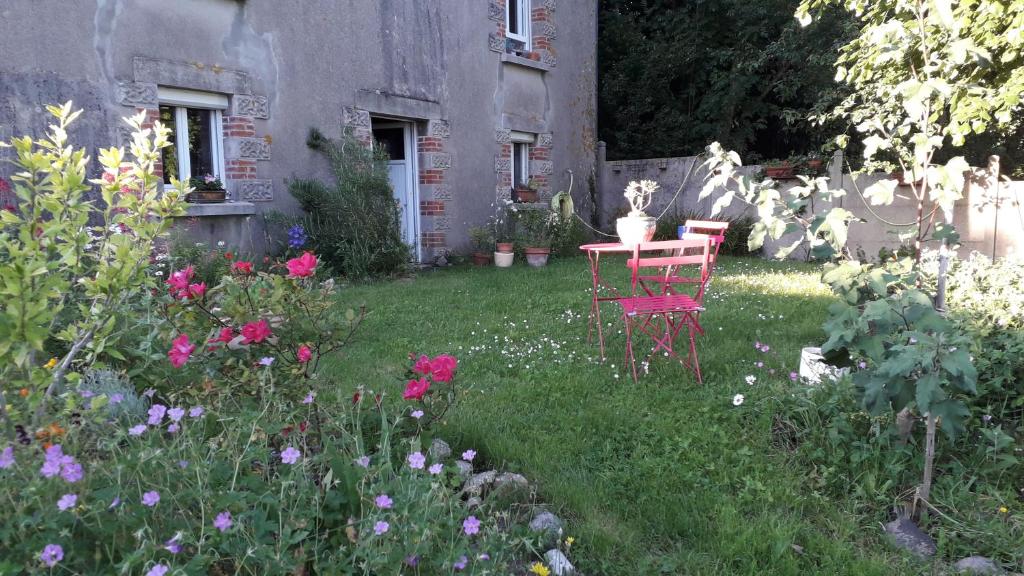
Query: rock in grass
x,y
475,485
906,535
439,450
977,565
558,563
465,469
548,526
474,502
510,483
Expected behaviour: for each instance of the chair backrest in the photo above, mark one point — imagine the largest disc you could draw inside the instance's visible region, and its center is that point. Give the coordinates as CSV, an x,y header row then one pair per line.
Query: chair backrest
x,y
711,228
696,251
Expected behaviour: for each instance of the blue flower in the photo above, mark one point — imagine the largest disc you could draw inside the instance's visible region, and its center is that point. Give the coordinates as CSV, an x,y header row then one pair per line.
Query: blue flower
x,y
296,237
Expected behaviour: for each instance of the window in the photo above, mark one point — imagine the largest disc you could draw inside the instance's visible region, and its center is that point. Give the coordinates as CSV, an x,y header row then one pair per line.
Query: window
x,y
517,21
194,119
521,142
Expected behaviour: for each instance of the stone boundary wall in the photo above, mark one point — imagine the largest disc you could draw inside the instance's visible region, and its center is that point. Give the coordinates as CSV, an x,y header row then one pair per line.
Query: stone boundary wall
x,y
982,226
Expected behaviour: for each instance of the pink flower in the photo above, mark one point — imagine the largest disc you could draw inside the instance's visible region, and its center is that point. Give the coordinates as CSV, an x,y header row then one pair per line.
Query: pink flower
x,y
302,267
416,460
180,350
178,283
304,354
223,521
242,267
442,368
67,501
380,527
471,525
290,455
226,335
383,501
794,376
422,365
435,469
255,332
196,291
468,455
415,389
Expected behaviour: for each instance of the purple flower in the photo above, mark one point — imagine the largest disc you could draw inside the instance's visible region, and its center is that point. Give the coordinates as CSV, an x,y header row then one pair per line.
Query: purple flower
x,y
759,364
987,418
7,457
51,555
290,455
116,398
137,430
862,364
172,545
381,527
461,563
115,503
468,455
72,472
149,393
308,399
383,501
223,521
182,464
363,461
435,469
266,361
86,393
156,413
172,428
416,460
195,412
412,560
52,462
484,556
158,570
296,236
67,501
151,498
794,376
417,414
471,525
757,345
176,414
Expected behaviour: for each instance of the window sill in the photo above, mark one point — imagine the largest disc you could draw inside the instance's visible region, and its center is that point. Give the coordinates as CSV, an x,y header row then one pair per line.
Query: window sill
x,y
220,209
525,62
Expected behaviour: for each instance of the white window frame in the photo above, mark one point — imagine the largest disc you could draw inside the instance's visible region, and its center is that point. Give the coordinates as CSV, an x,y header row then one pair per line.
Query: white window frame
x,y
523,10
181,100
524,140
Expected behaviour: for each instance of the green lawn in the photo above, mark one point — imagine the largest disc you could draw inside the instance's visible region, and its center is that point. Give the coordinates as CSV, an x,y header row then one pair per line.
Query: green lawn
x,y
662,477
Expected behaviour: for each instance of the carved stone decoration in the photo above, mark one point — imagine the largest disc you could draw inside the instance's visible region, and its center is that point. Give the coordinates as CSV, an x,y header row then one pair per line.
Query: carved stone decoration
x,y
550,5
544,140
442,192
496,42
439,161
137,94
548,30
355,118
442,223
255,106
548,58
542,167
502,164
254,190
503,136
124,136
440,129
496,11
257,148
503,192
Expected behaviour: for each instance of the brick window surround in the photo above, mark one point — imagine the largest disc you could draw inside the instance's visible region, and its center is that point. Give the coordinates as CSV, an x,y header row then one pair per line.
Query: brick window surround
x,y
542,28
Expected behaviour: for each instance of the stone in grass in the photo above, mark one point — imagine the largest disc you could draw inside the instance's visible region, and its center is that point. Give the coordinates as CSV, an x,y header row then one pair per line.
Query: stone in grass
x,y
977,565
465,469
474,502
509,483
558,563
439,450
475,485
548,526
906,535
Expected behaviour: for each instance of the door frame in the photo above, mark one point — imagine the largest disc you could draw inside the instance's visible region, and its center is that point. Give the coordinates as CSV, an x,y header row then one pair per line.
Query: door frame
x,y
412,179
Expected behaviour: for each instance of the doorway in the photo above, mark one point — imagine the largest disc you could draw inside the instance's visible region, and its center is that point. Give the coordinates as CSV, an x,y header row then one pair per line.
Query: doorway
x,y
399,140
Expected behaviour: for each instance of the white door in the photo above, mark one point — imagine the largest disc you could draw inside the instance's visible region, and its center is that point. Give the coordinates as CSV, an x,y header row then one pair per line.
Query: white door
x,y
399,139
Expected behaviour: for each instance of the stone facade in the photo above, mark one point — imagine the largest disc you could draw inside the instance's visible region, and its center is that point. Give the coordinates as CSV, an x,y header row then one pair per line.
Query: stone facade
x,y
423,62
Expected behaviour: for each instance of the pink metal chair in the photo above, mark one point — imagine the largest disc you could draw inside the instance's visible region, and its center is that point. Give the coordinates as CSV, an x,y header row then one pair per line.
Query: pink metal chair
x,y
695,229
662,316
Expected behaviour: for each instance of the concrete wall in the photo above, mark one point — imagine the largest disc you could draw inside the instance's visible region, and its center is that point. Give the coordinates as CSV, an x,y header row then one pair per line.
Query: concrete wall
x,y
290,65
982,226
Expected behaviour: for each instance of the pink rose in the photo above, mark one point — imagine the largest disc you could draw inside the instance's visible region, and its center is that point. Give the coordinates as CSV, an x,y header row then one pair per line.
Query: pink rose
x,y
255,332
422,365
178,283
442,368
180,350
304,354
415,389
196,291
303,266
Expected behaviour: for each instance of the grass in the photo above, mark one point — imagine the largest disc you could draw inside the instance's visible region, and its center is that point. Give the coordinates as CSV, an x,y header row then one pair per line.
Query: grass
x,y
661,477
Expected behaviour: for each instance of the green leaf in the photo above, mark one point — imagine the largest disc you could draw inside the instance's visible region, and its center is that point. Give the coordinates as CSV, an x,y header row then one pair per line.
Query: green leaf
x,y
881,192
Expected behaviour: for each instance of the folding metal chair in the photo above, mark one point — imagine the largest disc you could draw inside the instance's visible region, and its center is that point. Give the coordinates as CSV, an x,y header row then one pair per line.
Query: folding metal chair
x,y
696,229
662,316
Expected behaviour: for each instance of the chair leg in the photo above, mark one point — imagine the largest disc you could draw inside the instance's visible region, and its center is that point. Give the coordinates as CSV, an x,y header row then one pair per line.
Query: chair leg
x,y
629,348
693,353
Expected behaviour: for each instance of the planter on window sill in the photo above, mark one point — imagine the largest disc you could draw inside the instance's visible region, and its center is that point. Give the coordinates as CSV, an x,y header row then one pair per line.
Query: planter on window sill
x,y
207,196
526,195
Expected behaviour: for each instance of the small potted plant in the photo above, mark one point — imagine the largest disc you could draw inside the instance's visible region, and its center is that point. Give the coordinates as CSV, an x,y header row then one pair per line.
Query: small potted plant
x,y
637,226
779,169
527,193
483,243
206,190
535,229
814,163
502,230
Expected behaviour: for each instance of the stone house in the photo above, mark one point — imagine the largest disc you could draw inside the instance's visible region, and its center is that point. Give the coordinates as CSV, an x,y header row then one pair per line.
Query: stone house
x,y
469,96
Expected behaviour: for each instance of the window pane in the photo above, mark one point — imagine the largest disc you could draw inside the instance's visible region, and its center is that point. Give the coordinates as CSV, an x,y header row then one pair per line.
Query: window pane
x,y
513,16
200,143
521,164
169,155
393,141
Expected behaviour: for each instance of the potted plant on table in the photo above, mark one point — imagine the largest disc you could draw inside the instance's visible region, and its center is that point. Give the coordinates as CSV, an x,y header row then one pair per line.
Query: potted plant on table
x,y
637,226
206,190
483,243
535,228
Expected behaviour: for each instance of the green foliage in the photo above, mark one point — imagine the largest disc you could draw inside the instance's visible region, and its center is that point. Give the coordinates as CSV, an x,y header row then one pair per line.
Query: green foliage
x,y
535,226
482,238
208,182
567,235
110,384
209,263
353,223
676,75
735,243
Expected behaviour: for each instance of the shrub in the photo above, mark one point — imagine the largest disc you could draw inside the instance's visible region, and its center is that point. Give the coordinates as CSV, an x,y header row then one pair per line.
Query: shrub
x,y
354,223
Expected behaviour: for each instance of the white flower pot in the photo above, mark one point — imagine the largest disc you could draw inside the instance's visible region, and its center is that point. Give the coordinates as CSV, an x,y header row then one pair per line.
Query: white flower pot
x,y
814,369
633,230
504,259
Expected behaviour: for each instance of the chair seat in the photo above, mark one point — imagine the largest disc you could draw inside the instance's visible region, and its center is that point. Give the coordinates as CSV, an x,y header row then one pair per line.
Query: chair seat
x,y
670,279
659,304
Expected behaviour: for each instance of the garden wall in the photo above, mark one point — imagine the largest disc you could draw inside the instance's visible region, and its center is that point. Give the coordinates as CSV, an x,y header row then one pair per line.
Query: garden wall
x,y
982,226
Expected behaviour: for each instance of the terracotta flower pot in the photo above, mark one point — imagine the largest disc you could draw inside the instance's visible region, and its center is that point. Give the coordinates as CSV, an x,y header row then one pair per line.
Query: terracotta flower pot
x,y
526,195
504,259
505,247
783,172
537,257
207,196
481,258
815,164
535,56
